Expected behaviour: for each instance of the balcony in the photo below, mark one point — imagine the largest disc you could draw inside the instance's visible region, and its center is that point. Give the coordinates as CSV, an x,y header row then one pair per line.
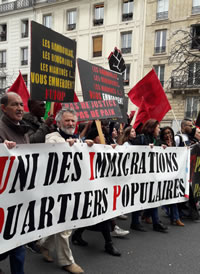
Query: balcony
x,y
98,22
3,36
71,26
179,82
126,50
24,62
24,34
160,49
2,65
196,10
16,5
127,16
162,15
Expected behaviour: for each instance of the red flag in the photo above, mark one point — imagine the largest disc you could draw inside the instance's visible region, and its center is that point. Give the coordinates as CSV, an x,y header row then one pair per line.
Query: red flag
x,y
142,115
75,98
155,99
20,88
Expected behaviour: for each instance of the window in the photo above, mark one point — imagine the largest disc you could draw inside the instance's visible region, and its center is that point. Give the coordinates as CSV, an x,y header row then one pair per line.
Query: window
x,y
127,10
24,56
2,83
160,70
160,41
192,107
162,9
47,21
98,14
97,46
196,6
25,77
195,37
194,74
3,32
126,40
71,19
3,59
24,28
126,75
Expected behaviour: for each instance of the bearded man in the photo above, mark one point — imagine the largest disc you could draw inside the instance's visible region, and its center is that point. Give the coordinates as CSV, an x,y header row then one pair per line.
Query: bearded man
x,y
66,122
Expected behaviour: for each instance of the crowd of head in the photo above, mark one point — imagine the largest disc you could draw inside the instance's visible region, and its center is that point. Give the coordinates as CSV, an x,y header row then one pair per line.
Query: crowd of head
x,y
20,128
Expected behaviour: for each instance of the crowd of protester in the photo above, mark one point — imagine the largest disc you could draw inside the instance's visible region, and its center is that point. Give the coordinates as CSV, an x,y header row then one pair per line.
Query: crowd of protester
x,y
17,127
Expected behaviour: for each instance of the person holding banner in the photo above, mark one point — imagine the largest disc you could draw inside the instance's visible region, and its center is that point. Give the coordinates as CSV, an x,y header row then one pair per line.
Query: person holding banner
x,y
103,227
167,138
129,138
66,120
150,132
13,129
187,137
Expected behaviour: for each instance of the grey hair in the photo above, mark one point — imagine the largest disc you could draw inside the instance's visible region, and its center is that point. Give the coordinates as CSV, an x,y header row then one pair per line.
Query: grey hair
x,y
62,111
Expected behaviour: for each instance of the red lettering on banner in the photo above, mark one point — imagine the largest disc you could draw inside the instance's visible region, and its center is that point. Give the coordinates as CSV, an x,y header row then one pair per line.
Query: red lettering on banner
x,y
91,165
3,161
94,113
117,191
95,95
55,95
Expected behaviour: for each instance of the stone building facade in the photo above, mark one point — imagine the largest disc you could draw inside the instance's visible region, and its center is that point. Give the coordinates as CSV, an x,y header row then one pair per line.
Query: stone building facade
x,y
142,29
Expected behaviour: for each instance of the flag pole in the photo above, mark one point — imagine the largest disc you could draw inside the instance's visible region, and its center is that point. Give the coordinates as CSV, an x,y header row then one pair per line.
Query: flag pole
x,y
178,126
134,117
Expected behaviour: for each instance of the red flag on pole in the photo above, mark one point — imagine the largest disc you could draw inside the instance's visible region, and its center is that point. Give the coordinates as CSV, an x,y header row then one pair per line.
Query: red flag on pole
x,y
142,115
154,98
20,88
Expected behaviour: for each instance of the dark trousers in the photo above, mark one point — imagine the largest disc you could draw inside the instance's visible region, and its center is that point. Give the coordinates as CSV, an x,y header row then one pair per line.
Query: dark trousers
x,y
103,227
17,257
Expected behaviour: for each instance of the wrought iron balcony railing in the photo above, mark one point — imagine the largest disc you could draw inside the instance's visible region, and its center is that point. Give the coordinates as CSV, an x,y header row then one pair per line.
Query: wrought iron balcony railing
x,y
196,10
162,15
15,5
185,82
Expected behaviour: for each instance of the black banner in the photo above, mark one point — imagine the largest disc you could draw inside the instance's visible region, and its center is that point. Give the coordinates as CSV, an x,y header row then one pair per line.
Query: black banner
x,y
52,65
95,110
101,84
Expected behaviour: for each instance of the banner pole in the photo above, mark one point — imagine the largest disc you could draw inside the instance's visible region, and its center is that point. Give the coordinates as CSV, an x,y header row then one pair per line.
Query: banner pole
x,y
134,117
99,129
178,127
52,108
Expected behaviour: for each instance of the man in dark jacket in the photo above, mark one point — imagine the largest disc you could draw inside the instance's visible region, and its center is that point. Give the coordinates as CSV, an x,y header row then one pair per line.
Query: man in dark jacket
x,y
12,128
38,127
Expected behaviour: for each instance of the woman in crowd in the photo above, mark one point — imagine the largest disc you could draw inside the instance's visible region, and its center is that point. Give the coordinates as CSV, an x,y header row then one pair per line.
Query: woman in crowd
x,y
129,138
150,133
167,138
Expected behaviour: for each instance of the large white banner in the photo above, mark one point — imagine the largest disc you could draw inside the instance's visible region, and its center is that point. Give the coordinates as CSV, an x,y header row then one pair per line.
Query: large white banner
x,y
48,188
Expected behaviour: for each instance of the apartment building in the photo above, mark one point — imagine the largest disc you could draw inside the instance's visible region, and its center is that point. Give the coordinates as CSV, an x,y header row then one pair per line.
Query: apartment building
x,y
96,26
164,19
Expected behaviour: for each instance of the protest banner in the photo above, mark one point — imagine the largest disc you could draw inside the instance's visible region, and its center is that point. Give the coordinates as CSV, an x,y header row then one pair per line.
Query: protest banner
x,y
92,110
101,84
52,65
48,188
195,171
